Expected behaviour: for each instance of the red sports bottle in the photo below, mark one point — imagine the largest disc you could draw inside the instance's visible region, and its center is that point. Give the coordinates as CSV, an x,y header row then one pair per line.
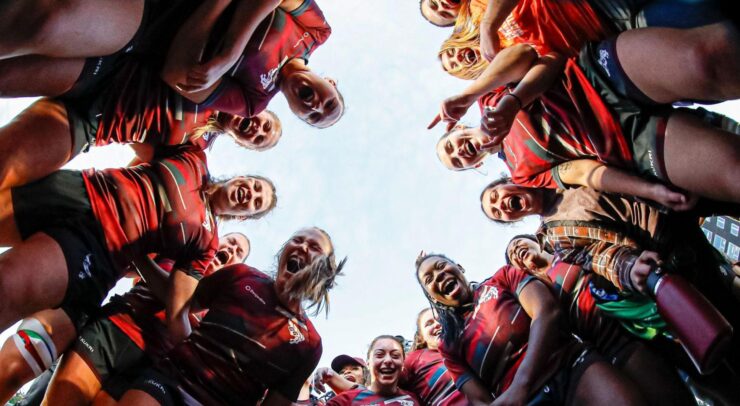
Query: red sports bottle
x,y
704,333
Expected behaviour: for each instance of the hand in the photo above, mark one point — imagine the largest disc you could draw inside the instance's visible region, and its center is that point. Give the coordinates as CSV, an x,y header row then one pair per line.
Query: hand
x,y
645,263
452,110
516,395
497,121
489,41
203,75
178,330
320,377
672,199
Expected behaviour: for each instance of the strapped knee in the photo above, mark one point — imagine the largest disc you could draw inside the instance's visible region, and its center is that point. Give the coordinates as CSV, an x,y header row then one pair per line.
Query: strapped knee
x,y
35,345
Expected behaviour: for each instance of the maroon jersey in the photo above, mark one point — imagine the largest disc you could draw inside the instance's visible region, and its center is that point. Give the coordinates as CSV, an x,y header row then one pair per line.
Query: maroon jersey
x,y
141,108
156,207
568,122
494,341
425,374
366,397
246,344
282,36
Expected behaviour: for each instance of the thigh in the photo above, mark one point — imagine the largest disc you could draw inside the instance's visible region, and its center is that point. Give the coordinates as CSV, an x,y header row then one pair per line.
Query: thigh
x,y
601,383
658,381
74,382
33,277
103,398
36,75
37,142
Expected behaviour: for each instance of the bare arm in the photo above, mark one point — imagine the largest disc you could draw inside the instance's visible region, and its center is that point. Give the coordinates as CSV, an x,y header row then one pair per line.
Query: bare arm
x,y
476,393
156,278
274,398
599,176
144,153
543,309
181,289
496,13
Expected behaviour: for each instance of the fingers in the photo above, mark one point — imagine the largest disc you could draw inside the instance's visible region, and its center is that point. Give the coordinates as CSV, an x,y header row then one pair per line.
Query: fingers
x,y
434,122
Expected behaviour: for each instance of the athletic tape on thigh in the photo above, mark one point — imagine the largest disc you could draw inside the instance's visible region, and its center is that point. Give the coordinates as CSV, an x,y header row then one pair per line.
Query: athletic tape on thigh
x,y
35,345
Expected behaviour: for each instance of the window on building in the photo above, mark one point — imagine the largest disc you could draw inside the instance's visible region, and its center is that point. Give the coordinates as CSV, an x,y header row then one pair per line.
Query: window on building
x,y
734,229
721,223
708,234
733,252
719,243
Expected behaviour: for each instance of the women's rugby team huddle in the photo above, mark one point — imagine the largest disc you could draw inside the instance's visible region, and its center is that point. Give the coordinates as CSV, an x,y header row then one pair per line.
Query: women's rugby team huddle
x,y
577,97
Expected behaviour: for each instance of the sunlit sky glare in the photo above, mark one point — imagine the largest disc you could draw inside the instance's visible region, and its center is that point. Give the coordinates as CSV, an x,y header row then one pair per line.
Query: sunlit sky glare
x,y
373,180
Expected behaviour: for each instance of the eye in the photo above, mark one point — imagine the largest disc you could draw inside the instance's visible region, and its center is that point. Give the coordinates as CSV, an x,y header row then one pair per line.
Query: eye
x,y
258,203
257,187
259,139
267,127
494,196
314,117
297,240
439,265
448,147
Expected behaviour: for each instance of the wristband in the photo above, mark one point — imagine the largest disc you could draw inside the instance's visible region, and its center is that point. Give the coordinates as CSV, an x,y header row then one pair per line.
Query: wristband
x,y
518,100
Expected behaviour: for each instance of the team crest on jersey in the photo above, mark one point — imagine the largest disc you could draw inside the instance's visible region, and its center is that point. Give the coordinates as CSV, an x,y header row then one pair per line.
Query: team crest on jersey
x,y
489,292
295,333
86,263
403,401
269,79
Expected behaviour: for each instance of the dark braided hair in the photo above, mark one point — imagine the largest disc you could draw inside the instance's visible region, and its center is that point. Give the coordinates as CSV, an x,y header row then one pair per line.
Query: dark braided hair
x,y
450,318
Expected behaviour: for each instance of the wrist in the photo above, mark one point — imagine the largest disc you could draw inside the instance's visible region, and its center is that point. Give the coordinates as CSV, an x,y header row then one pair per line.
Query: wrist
x,y
516,99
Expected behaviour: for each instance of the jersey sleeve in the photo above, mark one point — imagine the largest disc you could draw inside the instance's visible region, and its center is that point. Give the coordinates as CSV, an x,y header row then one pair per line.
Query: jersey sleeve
x,y
310,17
340,400
229,98
291,387
514,279
214,285
409,368
457,368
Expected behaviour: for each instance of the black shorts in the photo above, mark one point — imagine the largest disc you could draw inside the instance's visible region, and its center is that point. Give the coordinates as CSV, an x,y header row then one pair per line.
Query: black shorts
x,y
159,386
114,358
643,125
560,389
58,206
160,22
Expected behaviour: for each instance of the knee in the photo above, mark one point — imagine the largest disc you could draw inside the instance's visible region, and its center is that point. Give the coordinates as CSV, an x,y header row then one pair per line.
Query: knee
x,y
36,22
702,63
14,373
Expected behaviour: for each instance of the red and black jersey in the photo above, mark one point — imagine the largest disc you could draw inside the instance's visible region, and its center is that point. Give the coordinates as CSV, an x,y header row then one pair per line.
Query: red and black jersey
x,y
246,344
158,207
494,341
425,374
366,397
141,108
568,122
563,26
282,36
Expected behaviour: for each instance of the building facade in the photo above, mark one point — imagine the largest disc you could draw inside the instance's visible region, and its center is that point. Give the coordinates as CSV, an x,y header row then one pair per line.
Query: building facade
x,y
724,234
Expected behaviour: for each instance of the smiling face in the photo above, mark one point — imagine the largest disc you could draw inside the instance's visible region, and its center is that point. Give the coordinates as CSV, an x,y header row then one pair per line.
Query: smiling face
x,y
455,59
312,98
430,329
242,196
444,281
523,253
233,248
353,373
441,13
509,202
299,253
259,133
461,149
386,363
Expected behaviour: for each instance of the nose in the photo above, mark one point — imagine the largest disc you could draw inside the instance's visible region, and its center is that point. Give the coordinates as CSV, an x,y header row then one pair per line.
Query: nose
x,y
438,275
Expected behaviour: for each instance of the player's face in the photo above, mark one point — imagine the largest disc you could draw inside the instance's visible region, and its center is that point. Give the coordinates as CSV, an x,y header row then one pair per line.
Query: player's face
x,y
523,252
454,59
444,281
312,98
243,196
430,329
461,149
441,12
259,133
353,373
299,252
510,202
386,361
233,248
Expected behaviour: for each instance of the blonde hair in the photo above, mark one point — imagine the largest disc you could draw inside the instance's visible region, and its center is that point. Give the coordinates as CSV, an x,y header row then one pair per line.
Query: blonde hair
x,y
457,42
419,342
213,126
470,15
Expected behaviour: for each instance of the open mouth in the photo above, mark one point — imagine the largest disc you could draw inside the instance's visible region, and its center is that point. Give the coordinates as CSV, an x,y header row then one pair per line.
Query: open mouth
x,y
294,264
449,286
470,56
470,148
244,125
387,371
223,257
305,93
350,378
242,195
516,203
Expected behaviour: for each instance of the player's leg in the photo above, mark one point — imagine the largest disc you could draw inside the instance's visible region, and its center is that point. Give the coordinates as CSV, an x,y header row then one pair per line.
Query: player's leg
x,y
37,75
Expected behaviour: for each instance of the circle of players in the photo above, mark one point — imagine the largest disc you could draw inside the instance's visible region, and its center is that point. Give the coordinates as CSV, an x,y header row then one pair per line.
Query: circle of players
x,y
616,299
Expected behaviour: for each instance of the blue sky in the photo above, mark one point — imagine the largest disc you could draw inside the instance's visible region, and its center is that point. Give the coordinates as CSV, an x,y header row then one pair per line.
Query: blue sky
x,y
372,181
